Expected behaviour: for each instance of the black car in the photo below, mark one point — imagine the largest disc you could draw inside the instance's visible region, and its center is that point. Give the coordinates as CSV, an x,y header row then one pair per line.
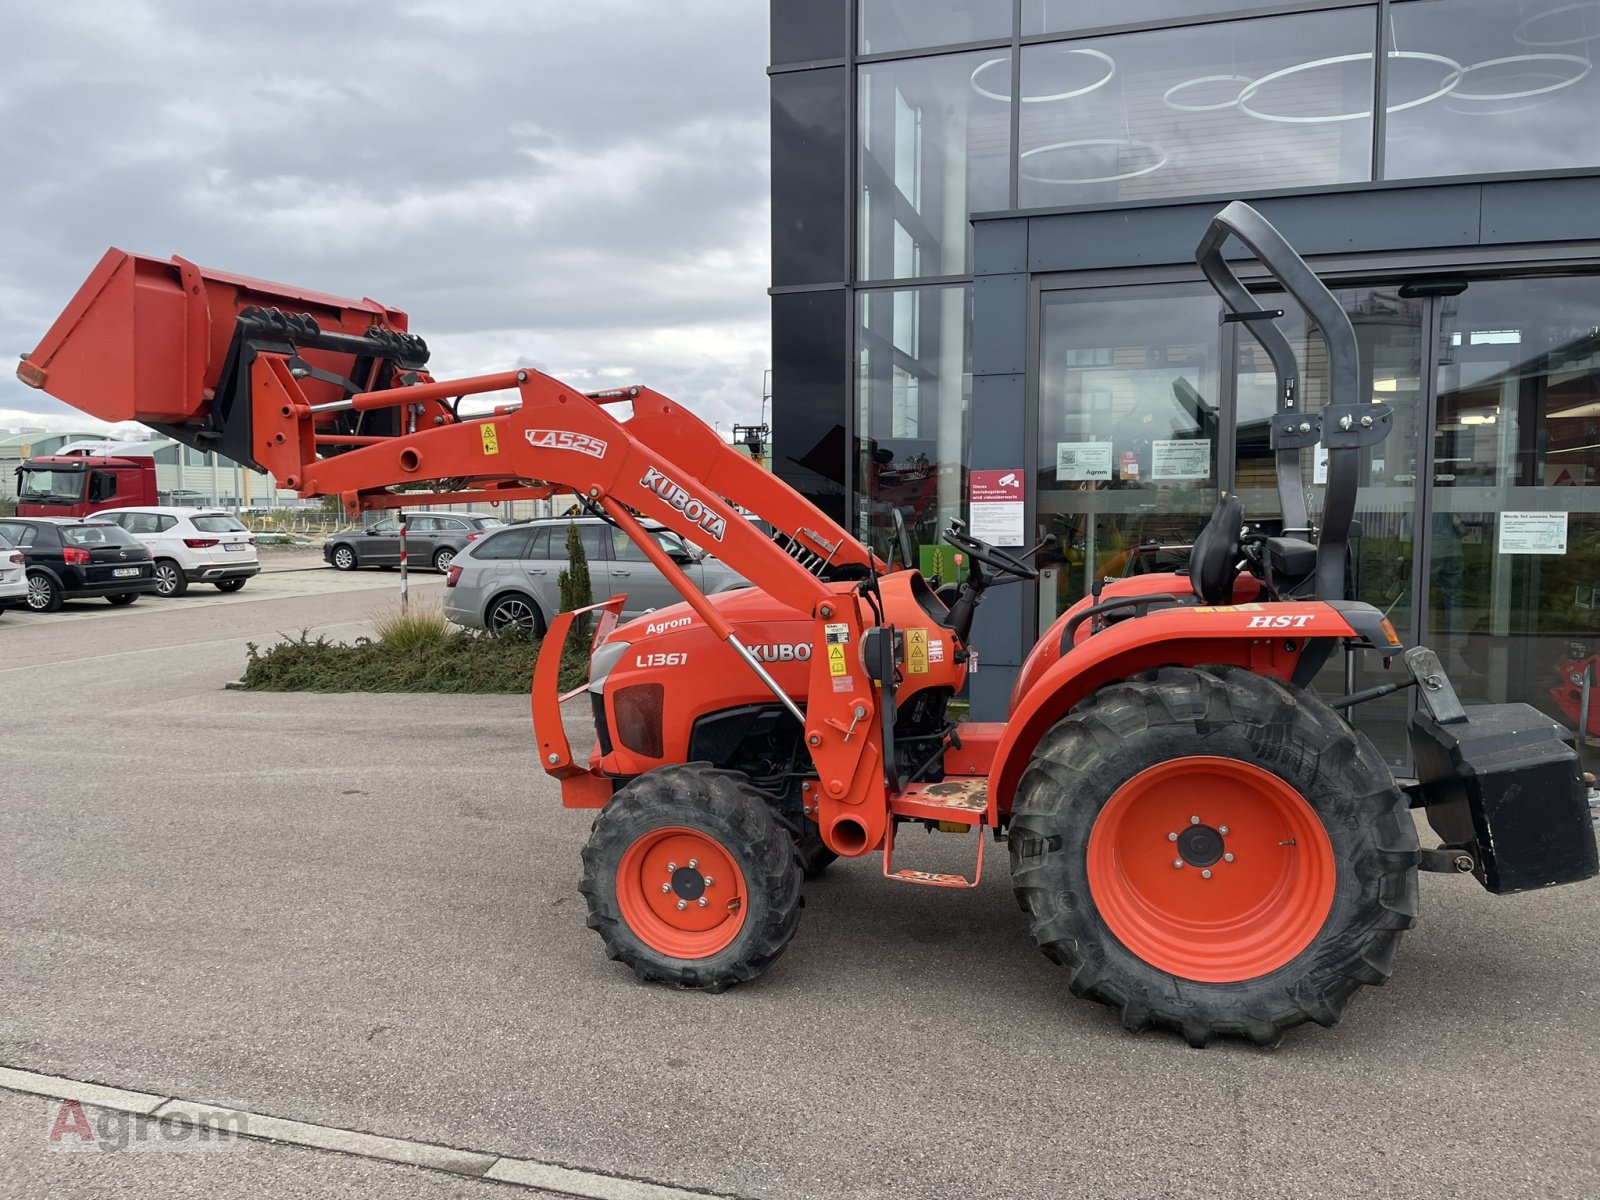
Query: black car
x,y
74,558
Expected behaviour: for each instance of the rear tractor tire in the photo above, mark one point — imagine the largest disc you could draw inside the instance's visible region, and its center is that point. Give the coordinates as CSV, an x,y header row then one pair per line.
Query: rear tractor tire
x,y
691,878
1213,852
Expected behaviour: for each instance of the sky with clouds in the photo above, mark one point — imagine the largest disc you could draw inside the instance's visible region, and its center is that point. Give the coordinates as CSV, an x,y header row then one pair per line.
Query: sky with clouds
x,y
578,187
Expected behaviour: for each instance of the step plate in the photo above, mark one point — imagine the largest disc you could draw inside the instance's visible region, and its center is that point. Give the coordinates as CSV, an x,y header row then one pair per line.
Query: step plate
x,y
961,800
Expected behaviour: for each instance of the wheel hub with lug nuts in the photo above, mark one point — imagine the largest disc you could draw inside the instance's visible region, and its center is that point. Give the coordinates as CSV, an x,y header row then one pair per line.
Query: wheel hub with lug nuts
x,y
1200,845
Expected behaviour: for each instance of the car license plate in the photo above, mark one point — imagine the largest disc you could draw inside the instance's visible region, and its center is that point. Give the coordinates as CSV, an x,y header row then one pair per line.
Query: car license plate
x,y
122,572
238,545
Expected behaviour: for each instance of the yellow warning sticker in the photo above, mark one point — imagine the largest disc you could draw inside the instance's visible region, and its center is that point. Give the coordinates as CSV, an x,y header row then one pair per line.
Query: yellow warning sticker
x,y
917,651
491,439
836,663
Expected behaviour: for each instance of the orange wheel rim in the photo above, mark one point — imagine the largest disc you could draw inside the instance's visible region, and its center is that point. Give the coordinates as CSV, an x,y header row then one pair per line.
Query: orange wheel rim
x,y
681,892
1211,869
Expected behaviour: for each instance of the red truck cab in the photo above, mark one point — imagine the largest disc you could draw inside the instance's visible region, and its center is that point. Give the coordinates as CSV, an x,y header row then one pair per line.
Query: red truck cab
x,y
86,477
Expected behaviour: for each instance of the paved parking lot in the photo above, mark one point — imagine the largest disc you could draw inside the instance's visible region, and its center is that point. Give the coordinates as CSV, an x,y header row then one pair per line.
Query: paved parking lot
x,y
362,911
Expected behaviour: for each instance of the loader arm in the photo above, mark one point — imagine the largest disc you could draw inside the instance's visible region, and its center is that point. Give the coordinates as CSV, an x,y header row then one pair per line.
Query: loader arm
x,y
333,398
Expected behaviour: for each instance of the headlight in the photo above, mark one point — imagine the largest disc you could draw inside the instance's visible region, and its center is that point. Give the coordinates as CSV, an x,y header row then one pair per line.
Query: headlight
x,y
602,661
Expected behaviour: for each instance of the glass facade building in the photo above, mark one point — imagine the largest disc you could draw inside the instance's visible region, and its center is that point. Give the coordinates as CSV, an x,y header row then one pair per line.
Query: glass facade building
x,y
984,214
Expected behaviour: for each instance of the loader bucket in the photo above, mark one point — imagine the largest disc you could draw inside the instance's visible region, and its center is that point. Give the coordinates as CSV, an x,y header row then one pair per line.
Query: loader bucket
x,y
145,339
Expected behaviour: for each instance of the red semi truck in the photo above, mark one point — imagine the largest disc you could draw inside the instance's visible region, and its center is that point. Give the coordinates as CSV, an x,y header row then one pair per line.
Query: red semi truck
x,y
85,477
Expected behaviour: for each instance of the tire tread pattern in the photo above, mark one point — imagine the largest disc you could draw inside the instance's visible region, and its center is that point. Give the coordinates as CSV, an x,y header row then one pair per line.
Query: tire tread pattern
x,y
1215,710
727,806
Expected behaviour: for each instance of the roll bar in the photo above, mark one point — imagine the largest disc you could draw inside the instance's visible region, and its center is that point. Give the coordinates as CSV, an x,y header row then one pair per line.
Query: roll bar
x,y
1344,425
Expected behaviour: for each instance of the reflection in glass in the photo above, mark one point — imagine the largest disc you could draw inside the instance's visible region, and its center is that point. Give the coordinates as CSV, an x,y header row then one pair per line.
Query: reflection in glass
x,y
809,156
1516,609
915,363
934,149
1274,102
1069,16
1128,427
809,375
1523,97
910,24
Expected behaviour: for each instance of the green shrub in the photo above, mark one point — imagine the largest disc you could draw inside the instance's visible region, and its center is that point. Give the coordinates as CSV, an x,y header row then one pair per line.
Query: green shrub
x,y
461,662
576,591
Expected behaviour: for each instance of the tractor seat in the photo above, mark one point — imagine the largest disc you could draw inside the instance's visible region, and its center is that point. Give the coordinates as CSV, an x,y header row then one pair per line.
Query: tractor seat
x,y
1214,561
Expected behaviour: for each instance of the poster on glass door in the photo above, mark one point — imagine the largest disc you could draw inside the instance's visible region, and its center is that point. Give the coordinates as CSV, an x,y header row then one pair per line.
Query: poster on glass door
x,y
1079,462
996,507
1185,458
1533,533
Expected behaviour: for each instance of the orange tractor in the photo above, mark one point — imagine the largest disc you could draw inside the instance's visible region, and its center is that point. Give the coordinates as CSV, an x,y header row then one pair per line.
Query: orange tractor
x,y
1201,840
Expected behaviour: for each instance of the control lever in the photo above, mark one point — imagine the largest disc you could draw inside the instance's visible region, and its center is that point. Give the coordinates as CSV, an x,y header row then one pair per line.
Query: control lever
x,y
1049,539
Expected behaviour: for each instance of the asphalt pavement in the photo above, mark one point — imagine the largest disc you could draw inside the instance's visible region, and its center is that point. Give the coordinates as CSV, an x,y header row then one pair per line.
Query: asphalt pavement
x,y
362,911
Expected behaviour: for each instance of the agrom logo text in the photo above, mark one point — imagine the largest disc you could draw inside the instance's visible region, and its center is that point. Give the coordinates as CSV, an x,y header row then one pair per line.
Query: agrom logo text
x,y
69,1126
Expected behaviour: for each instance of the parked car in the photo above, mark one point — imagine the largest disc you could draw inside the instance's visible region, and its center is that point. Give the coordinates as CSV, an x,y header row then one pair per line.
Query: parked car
x,y
510,579
432,539
75,558
191,545
13,575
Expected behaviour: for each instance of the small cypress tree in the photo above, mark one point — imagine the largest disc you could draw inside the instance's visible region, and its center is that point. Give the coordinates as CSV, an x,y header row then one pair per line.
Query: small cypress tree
x,y
576,591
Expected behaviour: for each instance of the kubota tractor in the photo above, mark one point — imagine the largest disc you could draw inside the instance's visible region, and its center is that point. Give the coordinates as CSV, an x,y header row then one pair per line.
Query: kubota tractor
x,y
1201,840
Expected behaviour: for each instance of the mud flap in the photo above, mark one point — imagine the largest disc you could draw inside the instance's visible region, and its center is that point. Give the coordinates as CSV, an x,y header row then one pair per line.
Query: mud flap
x,y
1503,782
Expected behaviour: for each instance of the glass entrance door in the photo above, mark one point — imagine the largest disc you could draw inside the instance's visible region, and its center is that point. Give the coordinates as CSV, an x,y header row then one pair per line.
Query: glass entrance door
x,y
1514,581
1390,332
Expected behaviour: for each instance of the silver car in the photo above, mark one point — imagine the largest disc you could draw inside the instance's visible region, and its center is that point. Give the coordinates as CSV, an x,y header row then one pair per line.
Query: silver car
x,y
510,579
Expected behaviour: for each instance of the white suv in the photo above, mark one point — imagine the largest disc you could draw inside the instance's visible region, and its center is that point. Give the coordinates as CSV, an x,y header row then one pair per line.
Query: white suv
x,y
191,545
13,575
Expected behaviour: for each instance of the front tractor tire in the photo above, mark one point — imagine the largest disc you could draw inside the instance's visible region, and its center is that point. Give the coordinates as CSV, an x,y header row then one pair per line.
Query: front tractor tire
x,y
691,879
1212,852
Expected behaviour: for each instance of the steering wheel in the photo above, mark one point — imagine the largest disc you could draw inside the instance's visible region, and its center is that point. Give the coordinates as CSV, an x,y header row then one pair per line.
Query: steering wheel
x,y
903,537
996,559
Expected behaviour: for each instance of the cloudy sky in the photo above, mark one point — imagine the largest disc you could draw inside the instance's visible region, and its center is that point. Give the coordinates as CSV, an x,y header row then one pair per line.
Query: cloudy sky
x,y
580,187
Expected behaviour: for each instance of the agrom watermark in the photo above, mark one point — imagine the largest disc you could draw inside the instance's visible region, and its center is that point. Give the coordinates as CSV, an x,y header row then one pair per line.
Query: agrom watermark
x,y
72,1127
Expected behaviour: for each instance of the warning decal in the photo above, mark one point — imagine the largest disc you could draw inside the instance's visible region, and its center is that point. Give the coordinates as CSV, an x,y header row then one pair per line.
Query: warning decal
x,y
491,439
917,651
836,662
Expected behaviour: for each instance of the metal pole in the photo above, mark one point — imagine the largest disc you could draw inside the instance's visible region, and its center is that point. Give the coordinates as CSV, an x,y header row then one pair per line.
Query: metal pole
x,y
405,587
1583,704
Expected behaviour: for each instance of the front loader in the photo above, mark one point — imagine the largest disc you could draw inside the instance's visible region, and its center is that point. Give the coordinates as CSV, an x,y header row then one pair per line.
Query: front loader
x,y
1204,842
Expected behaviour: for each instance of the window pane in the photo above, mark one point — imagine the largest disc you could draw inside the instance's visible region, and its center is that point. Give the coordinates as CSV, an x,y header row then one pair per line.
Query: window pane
x,y
1525,99
539,547
935,148
1068,16
915,381
1128,430
809,31
503,545
1514,595
909,24
810,203
1278,102
809,381
593,539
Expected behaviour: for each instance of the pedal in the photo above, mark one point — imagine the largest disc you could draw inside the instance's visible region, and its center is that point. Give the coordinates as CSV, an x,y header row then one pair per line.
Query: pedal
x,y
956,805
